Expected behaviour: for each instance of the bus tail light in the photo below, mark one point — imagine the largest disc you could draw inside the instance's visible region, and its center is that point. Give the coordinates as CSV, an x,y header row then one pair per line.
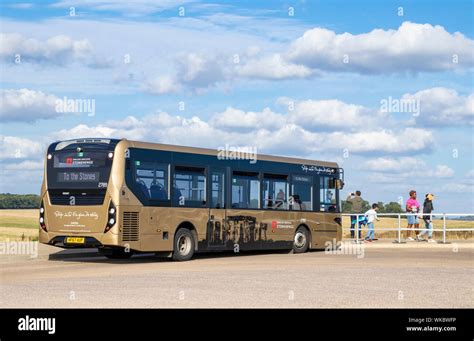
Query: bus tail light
x,y
111,217
41,218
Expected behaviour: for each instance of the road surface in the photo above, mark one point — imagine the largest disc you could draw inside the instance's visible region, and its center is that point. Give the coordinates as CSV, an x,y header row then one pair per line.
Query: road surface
x,y
387,275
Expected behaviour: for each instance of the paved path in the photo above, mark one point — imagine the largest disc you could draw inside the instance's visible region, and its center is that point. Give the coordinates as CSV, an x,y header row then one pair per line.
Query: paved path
x,y
384,275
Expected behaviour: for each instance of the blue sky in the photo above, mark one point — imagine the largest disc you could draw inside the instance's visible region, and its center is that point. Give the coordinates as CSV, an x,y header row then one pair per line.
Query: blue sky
x,y
297,78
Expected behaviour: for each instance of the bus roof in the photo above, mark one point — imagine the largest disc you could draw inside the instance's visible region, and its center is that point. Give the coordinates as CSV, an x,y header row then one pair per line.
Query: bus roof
x,y
215,152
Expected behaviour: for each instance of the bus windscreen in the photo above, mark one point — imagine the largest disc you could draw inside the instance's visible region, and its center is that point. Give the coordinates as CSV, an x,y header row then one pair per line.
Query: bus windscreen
x,y
79,170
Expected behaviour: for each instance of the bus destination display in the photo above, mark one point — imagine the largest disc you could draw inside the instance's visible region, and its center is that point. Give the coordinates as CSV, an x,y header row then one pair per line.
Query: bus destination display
x,y
78,176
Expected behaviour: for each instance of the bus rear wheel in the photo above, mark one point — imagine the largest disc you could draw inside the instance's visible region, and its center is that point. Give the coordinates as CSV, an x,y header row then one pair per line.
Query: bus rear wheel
x,y
184,245
301,240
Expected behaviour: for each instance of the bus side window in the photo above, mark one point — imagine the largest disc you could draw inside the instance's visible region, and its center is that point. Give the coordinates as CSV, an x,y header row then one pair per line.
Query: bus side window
x,y
245,190
302,192
327,194
189,185
152,180
217,189
275,192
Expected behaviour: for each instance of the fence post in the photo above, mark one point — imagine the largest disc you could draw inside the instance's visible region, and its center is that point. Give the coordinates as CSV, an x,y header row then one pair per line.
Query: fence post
x,y
357,228
444,228
399,229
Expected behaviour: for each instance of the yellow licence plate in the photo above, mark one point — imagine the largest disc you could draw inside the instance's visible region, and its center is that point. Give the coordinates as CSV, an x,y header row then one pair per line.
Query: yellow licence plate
x,y
75,240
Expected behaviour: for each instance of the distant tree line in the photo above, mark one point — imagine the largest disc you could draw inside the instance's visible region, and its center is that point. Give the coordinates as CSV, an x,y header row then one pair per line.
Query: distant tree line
x,y
14,201
391,207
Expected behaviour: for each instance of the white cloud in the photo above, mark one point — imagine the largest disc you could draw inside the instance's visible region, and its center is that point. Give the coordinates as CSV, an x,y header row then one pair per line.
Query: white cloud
x,y
273,67
443,171
12,147
233,119
387,169
441,106
59,49
163,85
83,130
238,127
322,114
384,164
383,140
24,105
412,47
456,187
200,71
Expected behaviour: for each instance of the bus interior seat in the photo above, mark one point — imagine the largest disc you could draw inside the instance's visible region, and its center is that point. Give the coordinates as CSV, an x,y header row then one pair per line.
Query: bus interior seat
x,y
143,188
176,194
158,192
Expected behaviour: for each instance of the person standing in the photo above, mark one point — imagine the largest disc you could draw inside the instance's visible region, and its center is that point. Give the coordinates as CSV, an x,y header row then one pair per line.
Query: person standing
x,y
427,209
371,217
357,204
412,208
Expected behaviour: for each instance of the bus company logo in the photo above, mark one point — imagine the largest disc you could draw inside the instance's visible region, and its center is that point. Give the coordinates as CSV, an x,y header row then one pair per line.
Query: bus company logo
x,y
237,153
69,160
28,323
278,224
274,225
318,170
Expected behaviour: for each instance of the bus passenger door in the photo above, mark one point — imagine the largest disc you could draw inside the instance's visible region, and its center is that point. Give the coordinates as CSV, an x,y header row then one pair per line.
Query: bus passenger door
x,y
217,232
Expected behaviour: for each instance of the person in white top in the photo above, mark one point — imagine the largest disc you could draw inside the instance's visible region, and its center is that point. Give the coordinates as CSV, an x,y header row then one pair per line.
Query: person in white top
x,y
371,217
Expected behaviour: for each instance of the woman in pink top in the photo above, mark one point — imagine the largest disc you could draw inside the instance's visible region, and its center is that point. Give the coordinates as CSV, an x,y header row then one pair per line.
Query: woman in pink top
x,y
413,207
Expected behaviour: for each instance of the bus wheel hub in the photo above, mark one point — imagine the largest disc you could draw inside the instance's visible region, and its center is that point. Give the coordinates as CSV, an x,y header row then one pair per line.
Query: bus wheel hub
x,y
300,240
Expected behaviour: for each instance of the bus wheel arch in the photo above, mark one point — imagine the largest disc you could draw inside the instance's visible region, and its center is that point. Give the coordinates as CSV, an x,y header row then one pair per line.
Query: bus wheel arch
x,y
185,241
302,239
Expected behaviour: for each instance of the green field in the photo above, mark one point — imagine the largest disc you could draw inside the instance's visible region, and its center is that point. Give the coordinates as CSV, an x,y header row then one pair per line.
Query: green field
x,y
23,225
19,224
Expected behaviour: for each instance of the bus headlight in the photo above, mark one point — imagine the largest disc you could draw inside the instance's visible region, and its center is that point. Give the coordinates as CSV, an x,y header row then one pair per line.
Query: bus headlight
x,y
111,219
41,218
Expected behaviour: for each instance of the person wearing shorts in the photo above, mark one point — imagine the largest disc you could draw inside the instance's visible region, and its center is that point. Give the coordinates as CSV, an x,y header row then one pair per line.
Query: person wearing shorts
x,y
412,208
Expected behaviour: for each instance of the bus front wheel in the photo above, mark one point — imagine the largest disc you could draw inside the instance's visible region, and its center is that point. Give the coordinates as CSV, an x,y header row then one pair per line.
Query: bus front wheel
x,y
301,240
183,245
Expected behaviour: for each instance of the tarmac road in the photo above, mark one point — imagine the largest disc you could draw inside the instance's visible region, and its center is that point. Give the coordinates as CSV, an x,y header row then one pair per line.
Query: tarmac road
x,y
419,275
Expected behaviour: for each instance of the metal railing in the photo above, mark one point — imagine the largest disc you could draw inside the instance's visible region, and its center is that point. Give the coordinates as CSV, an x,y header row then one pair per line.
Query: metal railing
x,y
399,229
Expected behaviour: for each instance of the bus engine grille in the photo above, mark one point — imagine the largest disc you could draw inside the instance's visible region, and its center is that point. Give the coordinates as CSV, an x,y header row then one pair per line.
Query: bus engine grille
x,y
130,224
